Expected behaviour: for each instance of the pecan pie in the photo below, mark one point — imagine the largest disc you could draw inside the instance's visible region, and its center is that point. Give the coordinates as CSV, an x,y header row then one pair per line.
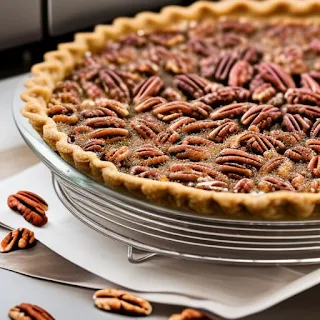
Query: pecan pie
x,y
214,107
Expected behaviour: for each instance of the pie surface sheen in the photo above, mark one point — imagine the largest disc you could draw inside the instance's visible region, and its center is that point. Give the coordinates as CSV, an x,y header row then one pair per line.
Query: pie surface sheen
x,y
219,114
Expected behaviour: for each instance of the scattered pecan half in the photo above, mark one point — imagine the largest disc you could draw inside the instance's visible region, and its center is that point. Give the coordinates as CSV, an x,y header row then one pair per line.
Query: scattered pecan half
x,y
168,136
193,172
185,151
218,95
145,172
260,143
94,145
144,66
212,185
302,96
173,110
315,186
199,125
223,128
264,93
150,156
189,314
166,38
117,156
149,104
110,135
105,122
305,110
240,74
295,122
286,137
299,153
315,130
310,83
91,90
261,116
121,302
171,94
272,164
236,26
64,113
31,206
147,128
120,109
27,311
243,186
271,184
191,84
313,144
273,74
314,166
147,88
237,163
181,122
179,63
21,238
231,111
197,141
114,85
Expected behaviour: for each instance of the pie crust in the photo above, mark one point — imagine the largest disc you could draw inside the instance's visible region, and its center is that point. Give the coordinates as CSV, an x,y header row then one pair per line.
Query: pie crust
x,y
278,205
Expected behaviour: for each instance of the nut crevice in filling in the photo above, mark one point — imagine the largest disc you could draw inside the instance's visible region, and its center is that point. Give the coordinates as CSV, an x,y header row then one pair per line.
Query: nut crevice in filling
x,y
225,105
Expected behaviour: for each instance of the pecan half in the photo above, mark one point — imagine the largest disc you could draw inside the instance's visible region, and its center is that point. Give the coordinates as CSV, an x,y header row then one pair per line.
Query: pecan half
x,y
299,154
249,53
192,172
150,156
31,206
91,90
147,128
121,302
314,166
220,70
197,141
295,122
261,116
145,172
94,145
229,40
110,135
180,123
68,86
313,144
225,95
243,186
78,130
223,129
193,153
117,156
144,66
314,186
260,143
236,26
114,86
271,184
119,108
191,84
21,238
179,63
106,122
264,93
149,104
171,94
288,138
212,185
231,111
189,314
302,96
167,38
279,79
308,82
272,164
27,311
168,136
315,130
198,126
240,74
173,110
63,113
147,88
238,156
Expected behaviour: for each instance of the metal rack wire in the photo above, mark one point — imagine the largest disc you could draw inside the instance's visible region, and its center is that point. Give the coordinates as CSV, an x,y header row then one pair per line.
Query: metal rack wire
x,y
150,230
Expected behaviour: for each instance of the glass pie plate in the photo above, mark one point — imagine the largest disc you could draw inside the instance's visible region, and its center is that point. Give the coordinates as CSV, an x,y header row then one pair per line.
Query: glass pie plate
x,y
149,230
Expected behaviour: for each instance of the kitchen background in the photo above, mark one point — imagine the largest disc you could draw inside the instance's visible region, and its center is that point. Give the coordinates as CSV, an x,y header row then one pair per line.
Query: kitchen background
x,y
30,28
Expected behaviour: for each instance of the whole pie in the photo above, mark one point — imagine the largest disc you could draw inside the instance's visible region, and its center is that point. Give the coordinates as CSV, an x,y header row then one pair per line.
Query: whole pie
x,y
213,108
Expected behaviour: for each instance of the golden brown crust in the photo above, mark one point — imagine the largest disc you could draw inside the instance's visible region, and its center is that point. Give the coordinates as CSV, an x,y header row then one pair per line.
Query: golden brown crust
x,y
58,64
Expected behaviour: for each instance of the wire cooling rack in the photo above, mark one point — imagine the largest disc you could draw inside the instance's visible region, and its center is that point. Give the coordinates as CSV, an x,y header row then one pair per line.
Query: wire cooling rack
x,y
149,230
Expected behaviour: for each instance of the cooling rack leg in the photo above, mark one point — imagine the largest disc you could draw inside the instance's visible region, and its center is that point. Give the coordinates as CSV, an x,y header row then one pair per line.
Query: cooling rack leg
x,y
138,256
